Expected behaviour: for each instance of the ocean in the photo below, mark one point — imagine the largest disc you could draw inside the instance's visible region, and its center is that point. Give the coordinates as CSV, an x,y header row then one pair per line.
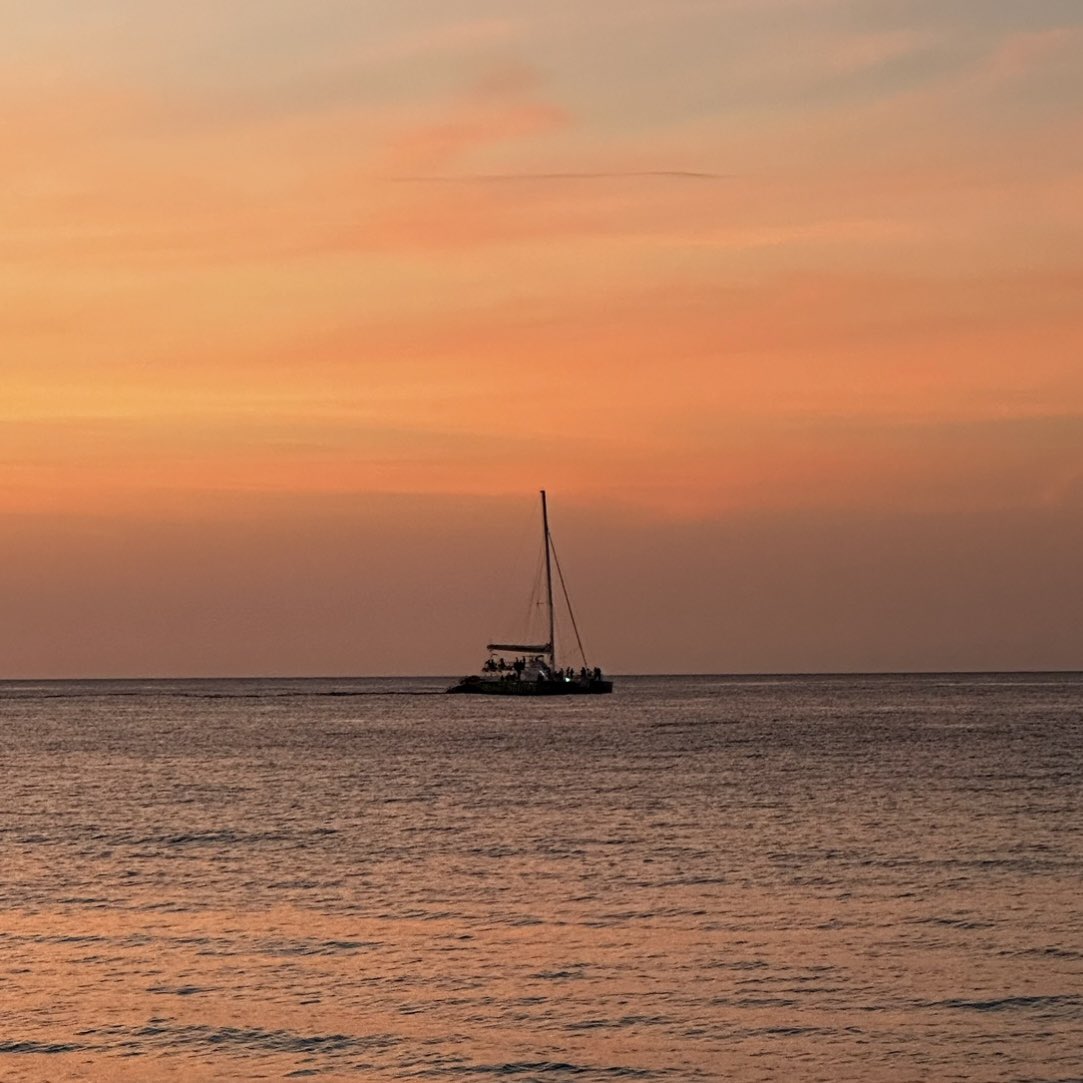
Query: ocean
x,y
851,878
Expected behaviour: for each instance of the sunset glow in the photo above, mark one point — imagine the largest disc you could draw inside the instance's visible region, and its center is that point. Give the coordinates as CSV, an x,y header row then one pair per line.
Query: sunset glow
x,y
326,291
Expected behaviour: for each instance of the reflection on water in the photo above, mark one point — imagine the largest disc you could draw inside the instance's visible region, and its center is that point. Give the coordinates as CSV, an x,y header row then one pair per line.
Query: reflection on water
x,y
829,878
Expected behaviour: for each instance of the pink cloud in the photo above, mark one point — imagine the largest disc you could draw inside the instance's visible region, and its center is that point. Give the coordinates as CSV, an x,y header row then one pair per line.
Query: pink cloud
x,y
502,106
1020,54
857,52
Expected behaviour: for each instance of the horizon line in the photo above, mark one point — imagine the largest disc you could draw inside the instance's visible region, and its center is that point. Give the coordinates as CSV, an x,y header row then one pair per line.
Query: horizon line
x,y
735,675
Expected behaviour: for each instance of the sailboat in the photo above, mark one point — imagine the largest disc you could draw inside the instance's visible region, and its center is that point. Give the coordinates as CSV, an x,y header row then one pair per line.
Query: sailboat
x,y
534,670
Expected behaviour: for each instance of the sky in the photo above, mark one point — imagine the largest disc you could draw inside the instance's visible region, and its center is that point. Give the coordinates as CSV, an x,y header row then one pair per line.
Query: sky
x,y
302,301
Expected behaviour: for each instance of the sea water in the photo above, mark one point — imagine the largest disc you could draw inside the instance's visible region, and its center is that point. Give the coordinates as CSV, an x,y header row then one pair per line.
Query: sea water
x,y
773,878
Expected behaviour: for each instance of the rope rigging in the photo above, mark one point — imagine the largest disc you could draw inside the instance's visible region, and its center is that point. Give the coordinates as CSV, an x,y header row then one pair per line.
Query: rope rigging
x,y
567,601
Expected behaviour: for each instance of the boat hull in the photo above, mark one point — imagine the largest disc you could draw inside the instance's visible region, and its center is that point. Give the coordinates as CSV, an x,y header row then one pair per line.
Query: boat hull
x,y
475,686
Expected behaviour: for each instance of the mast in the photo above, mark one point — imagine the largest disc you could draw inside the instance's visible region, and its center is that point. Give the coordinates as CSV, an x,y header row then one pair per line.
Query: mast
x,y
548,583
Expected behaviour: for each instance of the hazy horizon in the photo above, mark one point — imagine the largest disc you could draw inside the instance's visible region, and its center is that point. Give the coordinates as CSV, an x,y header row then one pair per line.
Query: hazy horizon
x,y
316,677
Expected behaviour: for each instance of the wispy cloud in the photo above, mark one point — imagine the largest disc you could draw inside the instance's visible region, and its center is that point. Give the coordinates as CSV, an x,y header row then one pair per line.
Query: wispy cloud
x,y
505,104
616,174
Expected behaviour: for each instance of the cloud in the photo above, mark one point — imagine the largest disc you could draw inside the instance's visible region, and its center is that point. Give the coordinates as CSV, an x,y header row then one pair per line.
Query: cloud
x,y
857,52
502,106
627,174
1019,55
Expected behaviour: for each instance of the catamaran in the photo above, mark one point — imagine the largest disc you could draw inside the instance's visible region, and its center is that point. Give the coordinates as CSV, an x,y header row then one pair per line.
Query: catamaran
x,y
533,669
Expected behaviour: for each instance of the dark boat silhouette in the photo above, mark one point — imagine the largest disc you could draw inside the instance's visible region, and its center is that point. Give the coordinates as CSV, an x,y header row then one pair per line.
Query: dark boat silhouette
x,y
534,670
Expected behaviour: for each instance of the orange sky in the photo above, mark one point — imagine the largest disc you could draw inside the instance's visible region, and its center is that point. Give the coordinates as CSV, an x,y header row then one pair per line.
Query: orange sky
x,y
300,304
